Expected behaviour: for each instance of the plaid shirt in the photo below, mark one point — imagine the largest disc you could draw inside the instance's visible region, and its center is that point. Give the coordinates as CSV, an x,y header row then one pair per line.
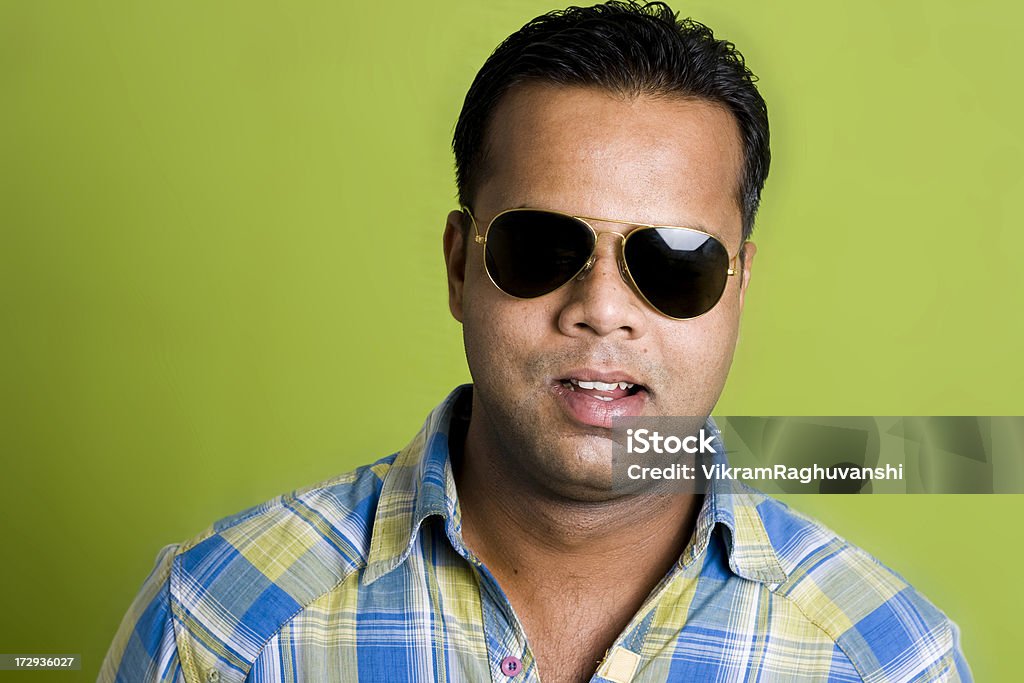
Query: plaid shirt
x,y
366,577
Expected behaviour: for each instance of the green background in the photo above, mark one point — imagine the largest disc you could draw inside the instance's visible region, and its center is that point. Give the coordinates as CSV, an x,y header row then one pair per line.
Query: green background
x,y
221,273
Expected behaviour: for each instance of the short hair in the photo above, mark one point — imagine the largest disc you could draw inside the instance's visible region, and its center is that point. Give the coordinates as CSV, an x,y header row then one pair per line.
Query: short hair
x,y
631,50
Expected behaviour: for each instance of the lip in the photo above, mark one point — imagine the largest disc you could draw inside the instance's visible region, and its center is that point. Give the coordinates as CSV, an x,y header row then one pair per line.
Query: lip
x,y
585,410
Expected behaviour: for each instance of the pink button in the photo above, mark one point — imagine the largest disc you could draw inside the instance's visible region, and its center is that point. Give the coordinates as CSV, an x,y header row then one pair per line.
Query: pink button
x,y
510,666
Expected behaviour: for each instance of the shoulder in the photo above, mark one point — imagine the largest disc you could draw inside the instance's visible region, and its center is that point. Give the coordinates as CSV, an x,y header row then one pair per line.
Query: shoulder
x,y
236,584
888,630
339,509
211,603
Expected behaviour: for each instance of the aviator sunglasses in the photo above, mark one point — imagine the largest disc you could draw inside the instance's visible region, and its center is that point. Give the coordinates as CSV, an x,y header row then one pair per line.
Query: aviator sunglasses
x,y
680,272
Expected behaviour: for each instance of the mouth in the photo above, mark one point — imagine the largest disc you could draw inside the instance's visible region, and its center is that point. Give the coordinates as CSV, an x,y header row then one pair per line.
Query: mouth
x,y
594,398
601,390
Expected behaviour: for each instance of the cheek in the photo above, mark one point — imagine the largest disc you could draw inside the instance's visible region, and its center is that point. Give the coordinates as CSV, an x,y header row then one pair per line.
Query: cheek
x,y
697,356
695,350
723,325
494,315
499,332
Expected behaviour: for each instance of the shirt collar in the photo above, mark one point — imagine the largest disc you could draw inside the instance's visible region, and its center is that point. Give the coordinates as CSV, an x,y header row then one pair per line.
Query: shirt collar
x,y
733,505
420,484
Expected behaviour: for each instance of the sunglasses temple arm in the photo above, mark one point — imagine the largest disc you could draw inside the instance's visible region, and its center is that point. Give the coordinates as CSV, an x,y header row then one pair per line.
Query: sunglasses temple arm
x,y
477,237
738,257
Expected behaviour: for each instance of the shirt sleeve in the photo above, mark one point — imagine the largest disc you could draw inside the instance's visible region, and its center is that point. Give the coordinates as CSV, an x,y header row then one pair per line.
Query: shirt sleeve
x,y
961,672
144,649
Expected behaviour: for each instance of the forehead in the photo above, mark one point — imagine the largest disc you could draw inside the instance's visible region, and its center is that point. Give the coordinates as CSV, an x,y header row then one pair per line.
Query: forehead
x,y
667,160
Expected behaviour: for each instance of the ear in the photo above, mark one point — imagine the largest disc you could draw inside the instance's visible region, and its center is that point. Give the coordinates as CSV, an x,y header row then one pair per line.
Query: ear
x,y
749,249
455,260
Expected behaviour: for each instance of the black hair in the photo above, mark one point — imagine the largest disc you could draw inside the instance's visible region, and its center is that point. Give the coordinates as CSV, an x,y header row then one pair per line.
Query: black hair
x,y
629,49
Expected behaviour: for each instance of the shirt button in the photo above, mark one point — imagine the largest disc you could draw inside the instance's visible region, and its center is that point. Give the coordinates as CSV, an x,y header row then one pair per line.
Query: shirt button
x,y
213,676
510,666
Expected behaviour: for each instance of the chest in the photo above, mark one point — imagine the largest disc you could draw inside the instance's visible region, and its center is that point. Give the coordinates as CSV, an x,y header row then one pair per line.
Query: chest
x,y
392,649
432,627
568,635
567,660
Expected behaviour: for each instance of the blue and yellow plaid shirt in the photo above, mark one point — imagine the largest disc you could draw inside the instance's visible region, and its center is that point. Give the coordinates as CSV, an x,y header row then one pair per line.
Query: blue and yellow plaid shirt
x,y
366,577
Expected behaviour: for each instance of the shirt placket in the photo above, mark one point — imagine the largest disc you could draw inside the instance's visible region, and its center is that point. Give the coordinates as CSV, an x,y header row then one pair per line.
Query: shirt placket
x,y
508,653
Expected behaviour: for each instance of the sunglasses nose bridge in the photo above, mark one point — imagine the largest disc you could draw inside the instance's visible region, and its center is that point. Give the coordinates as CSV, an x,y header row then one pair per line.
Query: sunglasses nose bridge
x,y
612,233
619,255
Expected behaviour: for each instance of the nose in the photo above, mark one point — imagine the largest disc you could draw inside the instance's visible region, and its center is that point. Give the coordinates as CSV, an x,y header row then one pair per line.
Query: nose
x,y
600,301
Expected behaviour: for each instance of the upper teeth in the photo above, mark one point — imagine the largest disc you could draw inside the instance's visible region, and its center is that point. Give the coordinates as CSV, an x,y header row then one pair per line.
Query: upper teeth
x,y
602,386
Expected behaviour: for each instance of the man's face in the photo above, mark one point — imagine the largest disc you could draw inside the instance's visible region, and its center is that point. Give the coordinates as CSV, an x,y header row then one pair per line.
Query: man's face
x,y
664,161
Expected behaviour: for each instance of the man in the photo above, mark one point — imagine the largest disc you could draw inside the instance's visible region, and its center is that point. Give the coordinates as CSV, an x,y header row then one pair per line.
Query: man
x,y
492,547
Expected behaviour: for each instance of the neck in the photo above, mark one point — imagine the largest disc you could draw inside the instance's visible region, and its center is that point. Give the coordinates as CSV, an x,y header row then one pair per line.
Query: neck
x,y
534,537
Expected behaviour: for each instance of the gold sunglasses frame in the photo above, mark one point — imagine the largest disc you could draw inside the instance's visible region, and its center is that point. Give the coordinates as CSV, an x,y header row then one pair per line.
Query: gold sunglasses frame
x,y
481,239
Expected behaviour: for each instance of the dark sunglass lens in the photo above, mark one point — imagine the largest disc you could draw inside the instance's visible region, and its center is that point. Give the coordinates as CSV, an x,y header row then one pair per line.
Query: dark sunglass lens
x,y
532,253
681,272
